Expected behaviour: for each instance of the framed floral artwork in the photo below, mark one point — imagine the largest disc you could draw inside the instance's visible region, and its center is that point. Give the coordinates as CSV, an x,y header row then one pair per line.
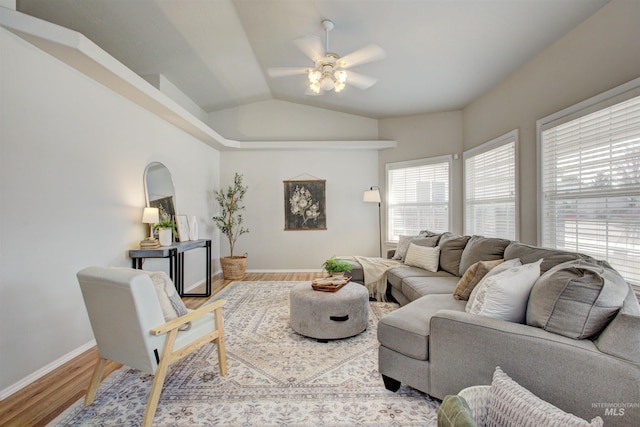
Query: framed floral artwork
x,y
305,205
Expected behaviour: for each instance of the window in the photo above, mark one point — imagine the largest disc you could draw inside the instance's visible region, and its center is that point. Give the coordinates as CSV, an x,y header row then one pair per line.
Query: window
x,y
490,188
590,179
418,196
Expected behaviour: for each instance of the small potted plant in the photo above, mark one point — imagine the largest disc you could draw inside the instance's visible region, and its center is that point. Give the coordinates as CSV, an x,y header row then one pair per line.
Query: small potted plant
x,y
229,222
336,267
166,230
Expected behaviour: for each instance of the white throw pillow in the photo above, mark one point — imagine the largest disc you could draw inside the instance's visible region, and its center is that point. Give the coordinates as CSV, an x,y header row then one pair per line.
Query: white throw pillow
x,y
423,257
505,295
496,270
512,404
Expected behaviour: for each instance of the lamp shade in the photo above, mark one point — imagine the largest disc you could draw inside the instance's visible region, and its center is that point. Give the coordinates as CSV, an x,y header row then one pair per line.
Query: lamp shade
x,y
151,215
372,196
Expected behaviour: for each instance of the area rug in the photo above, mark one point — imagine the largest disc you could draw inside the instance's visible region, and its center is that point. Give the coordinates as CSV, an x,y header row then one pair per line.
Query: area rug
x,y
276,377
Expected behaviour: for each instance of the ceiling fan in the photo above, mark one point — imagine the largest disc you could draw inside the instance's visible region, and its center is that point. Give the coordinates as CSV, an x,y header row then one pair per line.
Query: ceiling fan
x,y
330,69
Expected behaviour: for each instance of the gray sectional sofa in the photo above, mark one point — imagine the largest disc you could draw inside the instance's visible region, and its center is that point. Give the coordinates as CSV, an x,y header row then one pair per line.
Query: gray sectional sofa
x,y
577,347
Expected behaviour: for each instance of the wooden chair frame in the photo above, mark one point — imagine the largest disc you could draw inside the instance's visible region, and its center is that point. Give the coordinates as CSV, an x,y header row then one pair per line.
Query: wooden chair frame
x,y
169,355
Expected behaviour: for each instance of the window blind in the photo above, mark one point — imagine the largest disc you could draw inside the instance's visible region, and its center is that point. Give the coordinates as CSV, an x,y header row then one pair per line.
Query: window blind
x,y
590,184
418,197
490,189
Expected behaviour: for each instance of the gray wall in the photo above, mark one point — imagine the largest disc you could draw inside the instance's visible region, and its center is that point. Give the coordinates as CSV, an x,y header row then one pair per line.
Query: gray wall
x,y
601,53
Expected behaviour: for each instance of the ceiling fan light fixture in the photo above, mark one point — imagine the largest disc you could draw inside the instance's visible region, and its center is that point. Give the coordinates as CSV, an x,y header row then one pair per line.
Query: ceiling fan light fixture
x,y
327,82
341,76
339,87
315,88
314,76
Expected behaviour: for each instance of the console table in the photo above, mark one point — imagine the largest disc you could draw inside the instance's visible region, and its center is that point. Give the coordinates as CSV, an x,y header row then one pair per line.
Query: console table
x,y
175,253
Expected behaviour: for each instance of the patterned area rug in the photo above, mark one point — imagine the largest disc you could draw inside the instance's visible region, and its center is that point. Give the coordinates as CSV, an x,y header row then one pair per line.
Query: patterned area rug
x,y
276,377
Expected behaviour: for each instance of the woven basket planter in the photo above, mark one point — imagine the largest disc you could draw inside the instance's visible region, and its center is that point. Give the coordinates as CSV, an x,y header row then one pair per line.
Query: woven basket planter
x,y
233,268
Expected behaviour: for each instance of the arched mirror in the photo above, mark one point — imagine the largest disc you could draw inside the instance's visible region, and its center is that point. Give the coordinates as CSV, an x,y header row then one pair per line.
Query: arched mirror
x,y
159,189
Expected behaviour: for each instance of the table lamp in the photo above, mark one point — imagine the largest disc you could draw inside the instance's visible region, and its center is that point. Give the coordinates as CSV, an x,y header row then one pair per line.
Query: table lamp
x,y
151,216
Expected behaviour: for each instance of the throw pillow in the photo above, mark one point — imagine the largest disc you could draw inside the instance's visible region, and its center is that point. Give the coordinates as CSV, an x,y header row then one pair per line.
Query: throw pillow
x,y
472,277
495,270
451,247
621,338
481,248
576,299
423,257
170,302
512,404
504,296
455,412
403,246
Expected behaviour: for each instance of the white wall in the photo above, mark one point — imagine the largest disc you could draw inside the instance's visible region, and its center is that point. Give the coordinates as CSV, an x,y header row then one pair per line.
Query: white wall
x,y
72,156
351,223
281,120
601,53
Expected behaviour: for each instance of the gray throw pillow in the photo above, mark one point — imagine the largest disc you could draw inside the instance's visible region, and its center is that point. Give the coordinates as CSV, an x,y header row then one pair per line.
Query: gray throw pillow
x,y
576,299
451,248
481,248
403,246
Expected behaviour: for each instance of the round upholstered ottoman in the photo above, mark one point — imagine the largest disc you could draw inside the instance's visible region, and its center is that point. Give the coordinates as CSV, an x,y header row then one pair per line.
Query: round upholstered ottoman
x,y
329,315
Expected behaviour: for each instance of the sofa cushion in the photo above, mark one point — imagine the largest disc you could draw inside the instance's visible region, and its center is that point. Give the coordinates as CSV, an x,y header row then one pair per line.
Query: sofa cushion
x,y
423,257
472,277
504,296
451,248
395,276
406,330
621,338
512,404
481,248
416,287
550,257
576,299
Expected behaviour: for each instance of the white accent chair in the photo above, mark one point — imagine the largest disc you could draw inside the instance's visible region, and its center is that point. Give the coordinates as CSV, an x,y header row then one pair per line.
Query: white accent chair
x,y
129,327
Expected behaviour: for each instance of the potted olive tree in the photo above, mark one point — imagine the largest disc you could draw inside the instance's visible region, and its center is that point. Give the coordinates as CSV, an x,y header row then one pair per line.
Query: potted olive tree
x,y
229,222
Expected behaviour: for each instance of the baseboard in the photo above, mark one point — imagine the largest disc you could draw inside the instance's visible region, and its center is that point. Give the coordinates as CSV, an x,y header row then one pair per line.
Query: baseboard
x,y
286,270
45,370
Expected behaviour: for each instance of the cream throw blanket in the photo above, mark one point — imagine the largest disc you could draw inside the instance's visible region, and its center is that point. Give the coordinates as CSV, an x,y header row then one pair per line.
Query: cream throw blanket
x,y
375,274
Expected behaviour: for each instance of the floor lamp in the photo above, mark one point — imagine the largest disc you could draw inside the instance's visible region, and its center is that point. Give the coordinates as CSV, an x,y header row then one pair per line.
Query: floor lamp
x,y
373,196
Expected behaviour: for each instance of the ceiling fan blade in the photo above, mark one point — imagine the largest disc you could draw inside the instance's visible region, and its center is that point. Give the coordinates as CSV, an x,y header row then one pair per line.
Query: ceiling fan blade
x,y
369,53
311,46
286,71
360,80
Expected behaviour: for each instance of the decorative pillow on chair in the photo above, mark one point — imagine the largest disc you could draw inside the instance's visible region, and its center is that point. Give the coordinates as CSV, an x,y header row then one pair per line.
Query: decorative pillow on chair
x,y
511,404
422,256
472,277
170,302
504,295
455,412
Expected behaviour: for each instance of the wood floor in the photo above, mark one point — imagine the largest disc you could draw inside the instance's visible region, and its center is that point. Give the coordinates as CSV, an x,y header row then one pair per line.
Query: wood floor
x,y
45,399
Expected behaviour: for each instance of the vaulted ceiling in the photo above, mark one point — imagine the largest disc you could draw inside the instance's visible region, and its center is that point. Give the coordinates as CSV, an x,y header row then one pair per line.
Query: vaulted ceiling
x,y
440,54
